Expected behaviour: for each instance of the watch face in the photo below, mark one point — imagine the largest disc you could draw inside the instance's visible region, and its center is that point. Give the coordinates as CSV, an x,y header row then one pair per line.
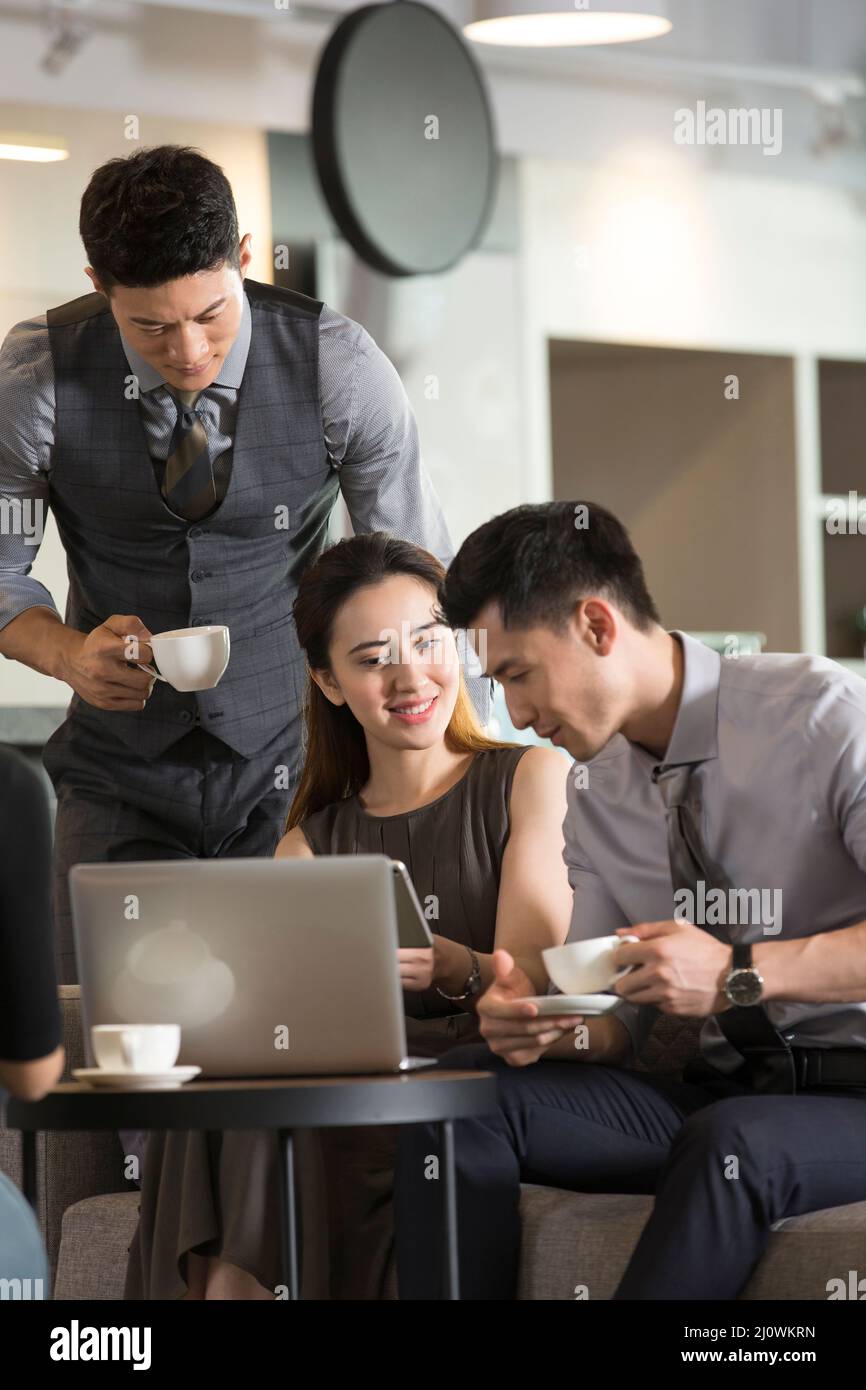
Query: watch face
x,y
744,987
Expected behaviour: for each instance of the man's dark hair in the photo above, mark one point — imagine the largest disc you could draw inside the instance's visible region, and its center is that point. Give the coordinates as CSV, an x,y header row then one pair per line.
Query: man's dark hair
x,y
157,215
537,562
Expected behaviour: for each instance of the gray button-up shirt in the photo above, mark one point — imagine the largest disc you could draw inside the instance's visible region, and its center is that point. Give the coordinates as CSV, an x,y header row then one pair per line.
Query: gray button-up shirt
x,y
367,422
779,794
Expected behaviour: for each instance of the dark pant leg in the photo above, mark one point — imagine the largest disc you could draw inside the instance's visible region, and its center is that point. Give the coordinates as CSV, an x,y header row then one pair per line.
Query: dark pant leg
x,y
573,1125
734,1169
200,799
245,800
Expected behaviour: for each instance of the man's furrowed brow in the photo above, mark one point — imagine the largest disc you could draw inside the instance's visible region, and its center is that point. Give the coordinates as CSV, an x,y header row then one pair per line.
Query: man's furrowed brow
x,y
161,323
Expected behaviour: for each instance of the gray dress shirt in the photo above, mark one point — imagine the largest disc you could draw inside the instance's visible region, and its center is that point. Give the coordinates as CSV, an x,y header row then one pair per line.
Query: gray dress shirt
x,y
368,427
369,431
780,798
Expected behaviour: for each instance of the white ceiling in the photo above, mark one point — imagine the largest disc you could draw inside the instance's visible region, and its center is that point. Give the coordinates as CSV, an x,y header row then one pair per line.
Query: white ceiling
x,y
256,63
779,42
759,34
762,35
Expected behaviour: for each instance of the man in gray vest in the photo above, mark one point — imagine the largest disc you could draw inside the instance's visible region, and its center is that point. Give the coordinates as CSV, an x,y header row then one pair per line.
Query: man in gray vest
x,y
190,430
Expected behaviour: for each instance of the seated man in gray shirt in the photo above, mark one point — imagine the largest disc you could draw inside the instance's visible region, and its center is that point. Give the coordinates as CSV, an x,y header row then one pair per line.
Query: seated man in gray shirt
x,y
717,812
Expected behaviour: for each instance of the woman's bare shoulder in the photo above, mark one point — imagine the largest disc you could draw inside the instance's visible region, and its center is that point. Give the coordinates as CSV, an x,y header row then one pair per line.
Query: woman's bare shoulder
x,y
294,845
541,774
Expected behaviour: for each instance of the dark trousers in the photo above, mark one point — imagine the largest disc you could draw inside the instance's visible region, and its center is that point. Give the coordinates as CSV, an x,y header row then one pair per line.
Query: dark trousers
x,y
590,1128
198,800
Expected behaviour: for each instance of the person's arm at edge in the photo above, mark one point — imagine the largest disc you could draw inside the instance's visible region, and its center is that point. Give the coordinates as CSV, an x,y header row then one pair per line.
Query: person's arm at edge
x,y
34,1079
31,629
28,981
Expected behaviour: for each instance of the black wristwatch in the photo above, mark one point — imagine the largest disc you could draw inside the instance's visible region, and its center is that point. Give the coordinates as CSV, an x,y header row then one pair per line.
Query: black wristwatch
x,y
472,985
744,984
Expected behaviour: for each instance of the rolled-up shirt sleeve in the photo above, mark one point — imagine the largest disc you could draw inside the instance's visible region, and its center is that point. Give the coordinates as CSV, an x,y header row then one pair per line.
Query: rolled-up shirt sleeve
x,y
372,438
595,912
26,438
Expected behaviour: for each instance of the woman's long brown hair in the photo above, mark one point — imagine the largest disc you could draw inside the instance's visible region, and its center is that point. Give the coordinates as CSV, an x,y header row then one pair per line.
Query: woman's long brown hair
x,y
336,765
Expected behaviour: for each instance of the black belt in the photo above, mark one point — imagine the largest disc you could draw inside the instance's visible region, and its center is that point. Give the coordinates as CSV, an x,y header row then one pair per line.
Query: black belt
x,y
773,1065
829,1066
786,1070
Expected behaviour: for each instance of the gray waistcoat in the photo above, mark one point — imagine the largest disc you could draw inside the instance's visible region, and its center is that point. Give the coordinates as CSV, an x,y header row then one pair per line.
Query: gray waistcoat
x,y
128,553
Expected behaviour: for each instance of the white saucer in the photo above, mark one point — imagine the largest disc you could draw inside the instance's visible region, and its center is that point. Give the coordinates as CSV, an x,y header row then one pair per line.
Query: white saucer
x,y
136,1080
590,1005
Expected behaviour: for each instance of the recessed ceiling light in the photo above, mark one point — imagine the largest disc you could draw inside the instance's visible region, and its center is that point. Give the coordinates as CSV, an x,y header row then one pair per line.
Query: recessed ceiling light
x,y
542,24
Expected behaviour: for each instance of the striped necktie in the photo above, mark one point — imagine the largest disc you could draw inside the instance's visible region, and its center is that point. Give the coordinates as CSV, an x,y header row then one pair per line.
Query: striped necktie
x,y
188,485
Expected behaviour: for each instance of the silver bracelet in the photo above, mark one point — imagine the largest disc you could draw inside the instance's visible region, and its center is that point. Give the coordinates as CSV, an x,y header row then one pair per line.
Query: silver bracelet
x,y
473,982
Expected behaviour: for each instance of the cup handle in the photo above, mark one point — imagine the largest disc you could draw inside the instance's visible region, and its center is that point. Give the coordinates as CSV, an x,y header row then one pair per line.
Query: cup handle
x,y
626,968
151,671
129,1052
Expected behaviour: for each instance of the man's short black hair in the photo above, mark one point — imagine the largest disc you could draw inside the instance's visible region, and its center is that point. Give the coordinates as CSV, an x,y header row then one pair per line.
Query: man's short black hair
x,y
537,562
157,215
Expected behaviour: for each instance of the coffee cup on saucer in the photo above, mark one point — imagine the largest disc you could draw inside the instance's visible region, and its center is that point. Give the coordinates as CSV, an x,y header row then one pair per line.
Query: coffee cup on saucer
x,y
136,1047
136,1057
585,967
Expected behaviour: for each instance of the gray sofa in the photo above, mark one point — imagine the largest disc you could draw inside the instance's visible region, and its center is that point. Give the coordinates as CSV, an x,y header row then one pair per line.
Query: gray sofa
x,y
571,1240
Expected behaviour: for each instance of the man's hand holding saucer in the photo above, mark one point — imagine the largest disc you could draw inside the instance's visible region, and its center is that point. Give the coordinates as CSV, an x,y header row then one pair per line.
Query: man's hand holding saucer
x,y
510,1022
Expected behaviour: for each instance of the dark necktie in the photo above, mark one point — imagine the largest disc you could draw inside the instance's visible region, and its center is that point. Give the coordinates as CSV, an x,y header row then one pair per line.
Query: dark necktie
x,y
188,485
768,1062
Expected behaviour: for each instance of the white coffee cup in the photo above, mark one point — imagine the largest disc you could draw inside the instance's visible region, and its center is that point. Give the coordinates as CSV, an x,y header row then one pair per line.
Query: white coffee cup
x,y
139,1047
585,967
190,658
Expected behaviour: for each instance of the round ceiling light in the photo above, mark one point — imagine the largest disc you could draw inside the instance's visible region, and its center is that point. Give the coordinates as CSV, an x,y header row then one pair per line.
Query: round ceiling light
x,y
540,24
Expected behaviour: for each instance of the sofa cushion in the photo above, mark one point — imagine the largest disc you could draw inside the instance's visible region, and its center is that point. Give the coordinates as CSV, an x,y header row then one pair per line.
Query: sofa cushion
x,y
95,1240
577,1240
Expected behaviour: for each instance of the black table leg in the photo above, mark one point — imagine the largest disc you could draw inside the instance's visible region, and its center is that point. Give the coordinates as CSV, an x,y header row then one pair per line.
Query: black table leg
x,y
449,1198
290,1215
28,1167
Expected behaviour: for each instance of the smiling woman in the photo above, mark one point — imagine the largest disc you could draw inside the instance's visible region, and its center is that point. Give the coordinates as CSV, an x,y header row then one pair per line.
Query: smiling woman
x,y
379,650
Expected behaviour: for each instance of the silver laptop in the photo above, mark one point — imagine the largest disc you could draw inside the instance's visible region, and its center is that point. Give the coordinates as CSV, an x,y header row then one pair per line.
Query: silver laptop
x,y
272,967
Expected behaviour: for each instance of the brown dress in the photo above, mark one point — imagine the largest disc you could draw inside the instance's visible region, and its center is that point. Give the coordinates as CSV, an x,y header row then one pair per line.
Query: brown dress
x,y
218,1194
